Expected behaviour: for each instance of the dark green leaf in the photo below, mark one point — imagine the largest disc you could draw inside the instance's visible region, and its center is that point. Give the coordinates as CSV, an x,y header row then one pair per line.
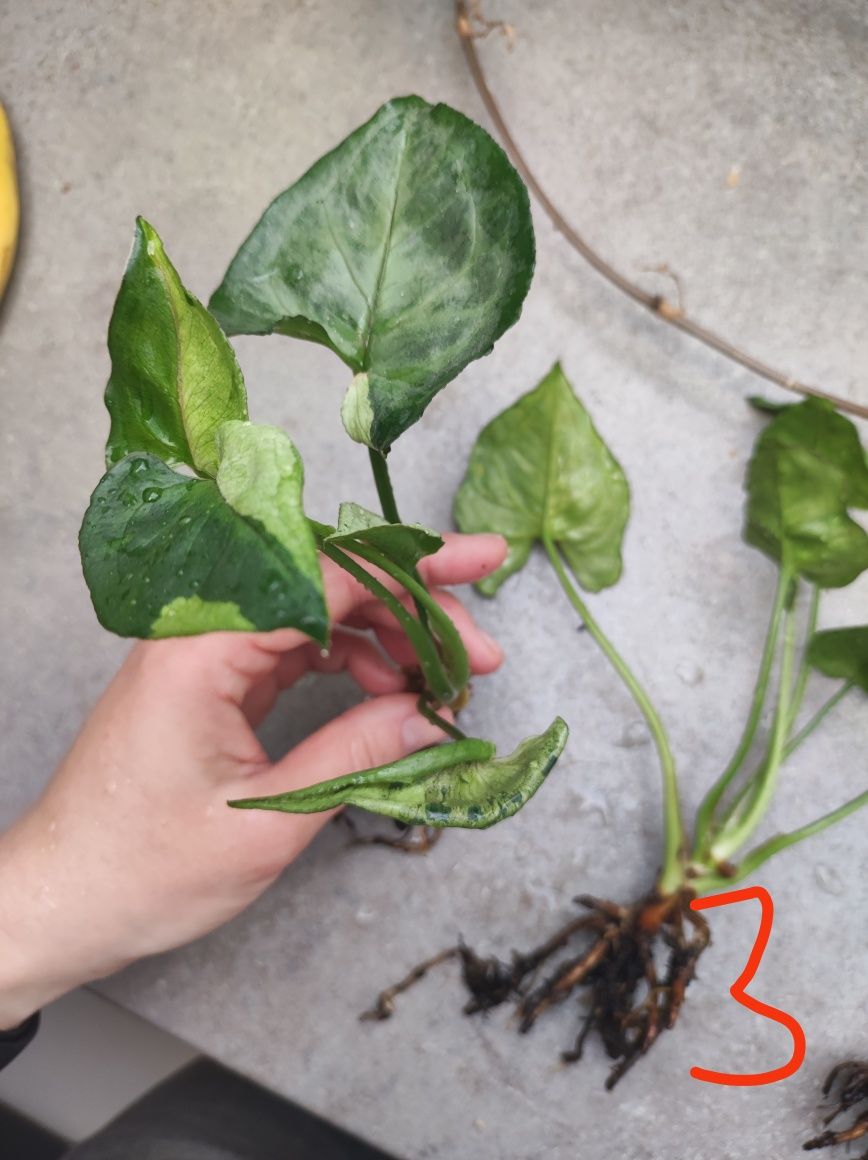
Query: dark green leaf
x,y
458,784
807,469
174,376
405,544
541,469
168,555
408,250
842,652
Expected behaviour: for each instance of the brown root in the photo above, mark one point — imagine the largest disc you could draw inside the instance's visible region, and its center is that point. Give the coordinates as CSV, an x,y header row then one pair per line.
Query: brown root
x,y
634,964
849,1082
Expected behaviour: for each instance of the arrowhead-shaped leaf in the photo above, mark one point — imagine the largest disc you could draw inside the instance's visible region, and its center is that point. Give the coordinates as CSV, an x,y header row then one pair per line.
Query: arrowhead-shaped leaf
x,y
408,250
174,376
541,469
165,554
842,652
808,467
459,784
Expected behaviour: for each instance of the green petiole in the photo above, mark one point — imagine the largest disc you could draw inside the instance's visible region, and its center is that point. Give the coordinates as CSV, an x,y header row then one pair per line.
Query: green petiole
x,y
737,832
423,644
705,816
672,873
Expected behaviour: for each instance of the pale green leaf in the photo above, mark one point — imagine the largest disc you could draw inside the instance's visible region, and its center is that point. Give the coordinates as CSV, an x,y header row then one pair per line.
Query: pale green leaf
x,y
540,469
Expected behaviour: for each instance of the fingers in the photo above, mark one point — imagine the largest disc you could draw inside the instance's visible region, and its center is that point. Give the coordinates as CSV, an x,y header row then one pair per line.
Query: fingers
x,y
371,734
484,653
359,657
464,559
461,560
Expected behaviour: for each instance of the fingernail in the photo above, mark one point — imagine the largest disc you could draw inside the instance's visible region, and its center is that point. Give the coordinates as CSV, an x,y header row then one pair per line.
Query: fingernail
x,y
417,732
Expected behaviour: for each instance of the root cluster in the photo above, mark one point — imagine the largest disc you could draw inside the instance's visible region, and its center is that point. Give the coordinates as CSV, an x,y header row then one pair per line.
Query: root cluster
x,y
849,1084
632,964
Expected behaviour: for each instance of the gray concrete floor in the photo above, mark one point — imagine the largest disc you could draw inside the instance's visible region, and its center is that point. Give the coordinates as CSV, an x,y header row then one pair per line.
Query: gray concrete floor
x,y
634,115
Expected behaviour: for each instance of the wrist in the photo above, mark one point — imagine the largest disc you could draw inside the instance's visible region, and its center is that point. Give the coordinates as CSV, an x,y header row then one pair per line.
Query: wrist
x,y
31,958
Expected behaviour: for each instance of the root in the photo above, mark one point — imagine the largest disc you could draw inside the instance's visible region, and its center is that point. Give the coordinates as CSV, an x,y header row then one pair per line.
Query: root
x,y
633,997
409,839
849,1081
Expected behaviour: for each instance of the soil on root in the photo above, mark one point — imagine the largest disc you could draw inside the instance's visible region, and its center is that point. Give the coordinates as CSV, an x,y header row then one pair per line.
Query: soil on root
x,y
633,964
848,1085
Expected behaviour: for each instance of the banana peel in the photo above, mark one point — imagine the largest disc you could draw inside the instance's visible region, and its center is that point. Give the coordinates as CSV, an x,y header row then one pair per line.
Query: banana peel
x,y
9,203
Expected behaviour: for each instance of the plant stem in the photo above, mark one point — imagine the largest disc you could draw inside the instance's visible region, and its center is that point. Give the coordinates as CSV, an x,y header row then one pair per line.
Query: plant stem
x,y
427,710
804,666
383,480
792,745
451,650
732,836
780,842
708,808
386,493
826,708
672,873
421,640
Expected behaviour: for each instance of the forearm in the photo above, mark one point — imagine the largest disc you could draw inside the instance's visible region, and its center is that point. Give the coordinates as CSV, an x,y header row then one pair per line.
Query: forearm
x,y
42,954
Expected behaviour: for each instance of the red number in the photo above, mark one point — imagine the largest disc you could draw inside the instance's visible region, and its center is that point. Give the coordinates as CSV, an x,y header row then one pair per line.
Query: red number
x,y
738,992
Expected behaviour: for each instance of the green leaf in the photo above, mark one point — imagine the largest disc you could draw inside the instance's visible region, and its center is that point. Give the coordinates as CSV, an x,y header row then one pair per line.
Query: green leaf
x,y
808,467
408,250
405,544
165,554
174,375
458,784
541,469
768,406
842,652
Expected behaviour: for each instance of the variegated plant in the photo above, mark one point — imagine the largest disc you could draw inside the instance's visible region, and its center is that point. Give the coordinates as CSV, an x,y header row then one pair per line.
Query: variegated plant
x,y
407,250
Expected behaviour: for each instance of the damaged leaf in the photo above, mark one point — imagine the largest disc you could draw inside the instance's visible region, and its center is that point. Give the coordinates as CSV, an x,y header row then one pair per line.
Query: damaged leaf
x,y
460,784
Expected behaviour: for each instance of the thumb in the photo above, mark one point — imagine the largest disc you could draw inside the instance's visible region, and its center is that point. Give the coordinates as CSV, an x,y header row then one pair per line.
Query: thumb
x,y
377,731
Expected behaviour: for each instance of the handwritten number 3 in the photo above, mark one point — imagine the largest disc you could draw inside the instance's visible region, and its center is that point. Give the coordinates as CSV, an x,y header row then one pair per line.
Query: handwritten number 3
x,y
739,993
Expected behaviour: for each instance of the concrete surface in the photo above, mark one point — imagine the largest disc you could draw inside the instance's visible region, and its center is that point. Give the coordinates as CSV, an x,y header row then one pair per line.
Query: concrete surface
x,y
634,115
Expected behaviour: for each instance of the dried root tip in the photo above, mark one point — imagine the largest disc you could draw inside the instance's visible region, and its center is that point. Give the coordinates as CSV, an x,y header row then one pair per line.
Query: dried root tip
x,y
849,1081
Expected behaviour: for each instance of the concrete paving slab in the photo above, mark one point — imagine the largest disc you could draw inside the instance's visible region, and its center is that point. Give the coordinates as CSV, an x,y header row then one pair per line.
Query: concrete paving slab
x,y
635,116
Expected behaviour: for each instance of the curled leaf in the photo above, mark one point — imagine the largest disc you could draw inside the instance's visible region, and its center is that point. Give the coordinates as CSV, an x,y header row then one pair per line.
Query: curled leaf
x,y
460,784
408,250
842,652
808,468
540,469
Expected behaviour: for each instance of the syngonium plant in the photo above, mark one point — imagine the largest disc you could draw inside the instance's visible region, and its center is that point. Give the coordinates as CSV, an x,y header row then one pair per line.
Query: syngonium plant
x,y
407,250
540,473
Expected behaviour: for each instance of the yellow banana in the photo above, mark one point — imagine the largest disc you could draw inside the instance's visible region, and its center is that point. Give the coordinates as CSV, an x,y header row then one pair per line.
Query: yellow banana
x,y
9,208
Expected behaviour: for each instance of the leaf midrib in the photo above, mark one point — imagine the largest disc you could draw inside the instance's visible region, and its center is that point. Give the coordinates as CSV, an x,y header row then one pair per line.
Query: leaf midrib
x,y
387,246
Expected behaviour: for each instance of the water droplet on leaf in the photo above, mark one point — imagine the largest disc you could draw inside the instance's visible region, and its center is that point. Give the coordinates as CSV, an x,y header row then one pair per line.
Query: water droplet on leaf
x,y
152,494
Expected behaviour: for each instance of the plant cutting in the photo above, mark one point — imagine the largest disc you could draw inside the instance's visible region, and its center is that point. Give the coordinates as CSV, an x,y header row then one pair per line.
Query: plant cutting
x,y
407,250
540,473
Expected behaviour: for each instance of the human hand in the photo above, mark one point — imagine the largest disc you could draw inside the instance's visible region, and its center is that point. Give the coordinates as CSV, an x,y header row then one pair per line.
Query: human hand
x,y
131,850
